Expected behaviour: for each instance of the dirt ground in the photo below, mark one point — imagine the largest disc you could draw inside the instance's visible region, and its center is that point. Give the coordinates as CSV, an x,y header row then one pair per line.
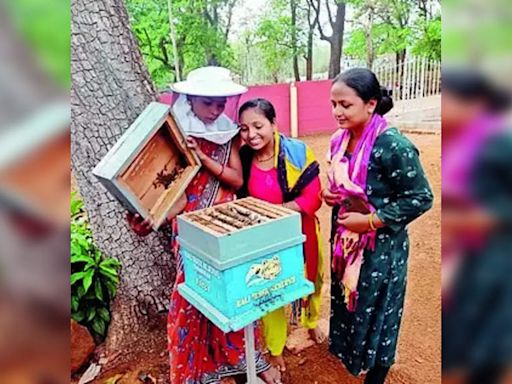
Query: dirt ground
x,y
419,350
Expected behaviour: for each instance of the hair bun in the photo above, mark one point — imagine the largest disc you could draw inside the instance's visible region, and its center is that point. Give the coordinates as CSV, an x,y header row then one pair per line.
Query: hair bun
x,y
499,100
385,92
385,103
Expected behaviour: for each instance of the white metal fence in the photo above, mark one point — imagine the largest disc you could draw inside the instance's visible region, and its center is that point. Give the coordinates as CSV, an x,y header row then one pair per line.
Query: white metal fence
x,y
414,78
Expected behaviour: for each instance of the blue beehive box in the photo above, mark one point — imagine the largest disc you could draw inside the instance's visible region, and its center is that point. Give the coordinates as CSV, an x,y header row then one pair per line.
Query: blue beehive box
x,y
242,260
150,165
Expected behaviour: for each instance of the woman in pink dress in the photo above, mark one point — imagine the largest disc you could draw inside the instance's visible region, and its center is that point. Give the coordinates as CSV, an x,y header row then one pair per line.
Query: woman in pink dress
x,y
284,171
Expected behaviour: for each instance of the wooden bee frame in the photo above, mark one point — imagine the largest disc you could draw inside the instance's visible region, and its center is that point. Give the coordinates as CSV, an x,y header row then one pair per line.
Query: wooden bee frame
x,y
150,166
237,215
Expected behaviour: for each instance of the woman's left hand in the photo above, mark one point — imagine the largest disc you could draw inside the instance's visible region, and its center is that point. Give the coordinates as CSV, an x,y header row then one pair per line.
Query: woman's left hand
x,y
354,221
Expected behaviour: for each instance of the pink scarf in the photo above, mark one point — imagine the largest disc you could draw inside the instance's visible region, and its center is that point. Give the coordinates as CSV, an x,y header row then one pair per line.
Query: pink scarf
x,y
459,155
348,178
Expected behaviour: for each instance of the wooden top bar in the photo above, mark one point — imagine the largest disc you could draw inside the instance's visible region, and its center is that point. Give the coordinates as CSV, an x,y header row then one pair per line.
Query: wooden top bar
x,y
236,215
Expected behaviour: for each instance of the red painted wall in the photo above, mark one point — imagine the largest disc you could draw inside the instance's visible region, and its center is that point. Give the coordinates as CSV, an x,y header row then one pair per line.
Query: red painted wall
x,y
279,96
313,103
314,107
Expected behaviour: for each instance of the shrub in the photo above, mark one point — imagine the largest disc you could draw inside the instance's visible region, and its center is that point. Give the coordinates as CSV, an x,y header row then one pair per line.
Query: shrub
x,y
94,278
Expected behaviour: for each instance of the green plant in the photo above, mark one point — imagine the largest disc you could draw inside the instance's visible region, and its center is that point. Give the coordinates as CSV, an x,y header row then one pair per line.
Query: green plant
x,y
94,278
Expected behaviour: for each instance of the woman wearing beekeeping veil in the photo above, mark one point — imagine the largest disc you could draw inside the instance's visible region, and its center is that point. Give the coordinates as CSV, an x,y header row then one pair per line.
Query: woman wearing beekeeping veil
x,y
205,107
205,104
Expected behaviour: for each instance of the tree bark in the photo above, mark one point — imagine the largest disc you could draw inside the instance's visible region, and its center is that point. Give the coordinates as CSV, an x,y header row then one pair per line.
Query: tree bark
x,y
312,18
370,52
111,87
309,56
172,34
400,60
293,6
336,41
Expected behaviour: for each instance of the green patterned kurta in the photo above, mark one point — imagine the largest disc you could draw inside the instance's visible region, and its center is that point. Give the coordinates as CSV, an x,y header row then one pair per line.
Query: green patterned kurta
x,y
477,323
398,189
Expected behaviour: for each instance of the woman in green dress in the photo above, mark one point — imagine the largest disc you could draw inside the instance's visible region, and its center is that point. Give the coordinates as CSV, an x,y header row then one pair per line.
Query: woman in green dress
x,y
376,188
476,229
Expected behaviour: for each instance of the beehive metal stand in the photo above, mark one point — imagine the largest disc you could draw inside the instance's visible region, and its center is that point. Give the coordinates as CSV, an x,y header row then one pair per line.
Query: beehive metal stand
x,y
150,166
250,355
242,260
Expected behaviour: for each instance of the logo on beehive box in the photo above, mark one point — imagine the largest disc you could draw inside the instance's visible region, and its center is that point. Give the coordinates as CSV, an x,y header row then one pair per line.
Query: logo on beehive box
x,y
260,273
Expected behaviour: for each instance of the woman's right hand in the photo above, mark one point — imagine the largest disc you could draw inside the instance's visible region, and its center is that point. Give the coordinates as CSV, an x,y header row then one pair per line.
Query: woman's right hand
x,y
138,225
194,145
329,197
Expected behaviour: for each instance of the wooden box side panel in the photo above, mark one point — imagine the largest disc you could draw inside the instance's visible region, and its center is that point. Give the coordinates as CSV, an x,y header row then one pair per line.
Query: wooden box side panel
x,y
192,235
143,183
180,140
159,155
167,200
205,280
247,298
122,194
253,284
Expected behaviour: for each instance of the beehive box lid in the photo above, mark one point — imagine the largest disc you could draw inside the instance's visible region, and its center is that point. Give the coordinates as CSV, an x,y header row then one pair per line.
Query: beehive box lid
x,y
132,140
119,159
225,246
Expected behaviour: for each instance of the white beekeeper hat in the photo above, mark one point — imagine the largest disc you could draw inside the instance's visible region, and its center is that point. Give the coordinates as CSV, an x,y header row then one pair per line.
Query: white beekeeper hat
x,y
209,81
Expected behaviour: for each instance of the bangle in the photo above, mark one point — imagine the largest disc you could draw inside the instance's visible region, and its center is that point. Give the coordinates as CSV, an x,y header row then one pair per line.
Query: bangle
x,y
370,221
221,171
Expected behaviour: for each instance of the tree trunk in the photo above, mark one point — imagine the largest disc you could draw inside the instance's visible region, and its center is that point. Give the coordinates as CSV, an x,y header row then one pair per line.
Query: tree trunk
x,y
212,59
296,72
309,56
111,87
336,41
172,34
400,61
370,52
293,6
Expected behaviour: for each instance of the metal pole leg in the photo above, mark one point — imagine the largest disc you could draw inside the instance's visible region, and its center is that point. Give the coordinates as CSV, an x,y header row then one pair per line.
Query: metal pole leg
x,y
250,355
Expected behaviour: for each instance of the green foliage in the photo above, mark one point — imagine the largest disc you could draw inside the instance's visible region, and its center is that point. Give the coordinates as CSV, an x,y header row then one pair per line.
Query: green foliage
x,y
45,26
200,40
94,278
356,45
473,33
428,39
274,41
397,26
386,39
393,39
150,24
